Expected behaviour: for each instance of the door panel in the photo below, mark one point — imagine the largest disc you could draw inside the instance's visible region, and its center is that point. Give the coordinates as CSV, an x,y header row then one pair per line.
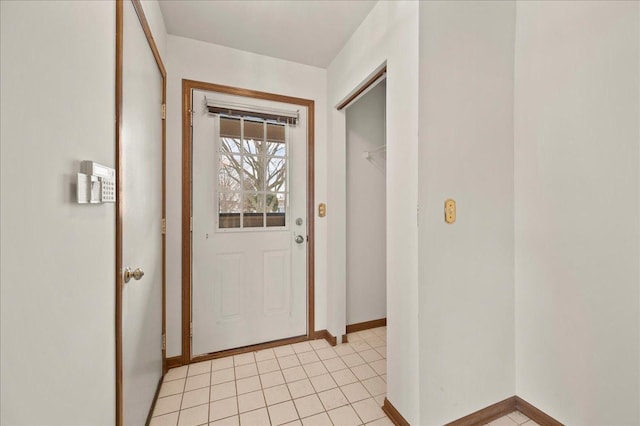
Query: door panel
x,y
141,201
249,185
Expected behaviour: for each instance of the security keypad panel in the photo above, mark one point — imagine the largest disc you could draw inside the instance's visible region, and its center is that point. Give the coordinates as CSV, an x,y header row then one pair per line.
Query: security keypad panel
x,y
96,183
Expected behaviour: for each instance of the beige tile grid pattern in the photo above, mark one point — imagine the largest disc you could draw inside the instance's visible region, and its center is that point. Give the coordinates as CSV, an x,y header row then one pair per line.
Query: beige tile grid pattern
x,y
308,383
515,418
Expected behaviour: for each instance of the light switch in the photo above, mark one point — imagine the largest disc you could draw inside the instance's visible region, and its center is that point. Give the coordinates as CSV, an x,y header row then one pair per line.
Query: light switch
x,y
450,211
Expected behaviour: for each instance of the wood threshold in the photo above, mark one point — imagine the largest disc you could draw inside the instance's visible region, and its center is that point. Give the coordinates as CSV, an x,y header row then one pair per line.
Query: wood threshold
x,y
382,322
187,87
393,414
250,348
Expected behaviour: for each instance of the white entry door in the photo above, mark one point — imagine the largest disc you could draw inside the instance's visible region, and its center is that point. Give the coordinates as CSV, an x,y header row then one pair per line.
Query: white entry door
x,y
249,226
141,163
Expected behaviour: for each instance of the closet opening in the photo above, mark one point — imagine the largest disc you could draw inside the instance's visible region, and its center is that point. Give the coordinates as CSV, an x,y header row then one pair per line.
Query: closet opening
x,y
366,228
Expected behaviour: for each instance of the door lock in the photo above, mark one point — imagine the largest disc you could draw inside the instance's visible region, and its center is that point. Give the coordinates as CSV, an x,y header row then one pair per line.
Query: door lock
x,y
299,239
136,275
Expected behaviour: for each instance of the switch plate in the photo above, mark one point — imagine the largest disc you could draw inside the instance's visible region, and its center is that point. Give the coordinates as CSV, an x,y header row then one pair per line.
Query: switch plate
x,y
450,211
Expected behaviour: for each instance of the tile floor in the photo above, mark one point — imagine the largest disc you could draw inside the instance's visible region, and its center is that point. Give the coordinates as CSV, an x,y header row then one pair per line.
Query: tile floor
x,y
308,383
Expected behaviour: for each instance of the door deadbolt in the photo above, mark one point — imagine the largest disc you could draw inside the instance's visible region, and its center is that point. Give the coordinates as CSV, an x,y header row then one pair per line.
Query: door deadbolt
x,y
136,275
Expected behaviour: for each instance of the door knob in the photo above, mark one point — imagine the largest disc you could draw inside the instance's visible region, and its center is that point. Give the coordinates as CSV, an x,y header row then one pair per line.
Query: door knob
x,y
299,239
136,275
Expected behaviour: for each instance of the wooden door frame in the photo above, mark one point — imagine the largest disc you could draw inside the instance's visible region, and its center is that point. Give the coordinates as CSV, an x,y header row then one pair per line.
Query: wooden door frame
x,y
119,207
187,168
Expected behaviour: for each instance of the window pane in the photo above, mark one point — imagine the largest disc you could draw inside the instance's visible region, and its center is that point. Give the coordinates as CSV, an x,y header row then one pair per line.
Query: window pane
x,y
229,210
276,175
276,209
253,172
276,140
230,145
253,215
229,173
276,149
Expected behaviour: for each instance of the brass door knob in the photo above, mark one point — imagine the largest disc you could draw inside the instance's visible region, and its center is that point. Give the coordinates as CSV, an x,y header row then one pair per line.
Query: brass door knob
x,y
136,275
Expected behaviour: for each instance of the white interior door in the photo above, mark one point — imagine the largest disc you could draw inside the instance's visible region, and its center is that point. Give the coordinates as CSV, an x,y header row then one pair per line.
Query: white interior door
x,y
141,162
249,206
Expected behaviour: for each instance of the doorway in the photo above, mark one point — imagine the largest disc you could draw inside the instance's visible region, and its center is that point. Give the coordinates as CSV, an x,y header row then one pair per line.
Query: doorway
x,y
366,210
247,220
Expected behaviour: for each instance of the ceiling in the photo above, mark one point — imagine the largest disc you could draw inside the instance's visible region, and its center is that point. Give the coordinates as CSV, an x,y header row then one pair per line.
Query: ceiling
x,y
310,32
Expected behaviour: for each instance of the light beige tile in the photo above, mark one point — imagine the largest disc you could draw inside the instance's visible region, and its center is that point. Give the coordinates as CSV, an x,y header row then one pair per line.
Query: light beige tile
x,y
228,421
326,353
222,363
308,405
243,359
199,368
221,376
302,347
170,419
268,366
518,417
354,337
172,387
355,392
363,371
344,416
223,408
344,349
370,355
380,399
531,423
265,354
194,416
271,379
281,351
368,410
504,421
315,369
167,404
321,419
375,342
375,385
379,366
308,357
250,401
323,382
300,388
196,382
276,394
360,346
258,417
384,421
249,384
288,361
176,373
367,334
353,359
282,413
344,377
223,391
293,423
334,364
319,344
332,398
384,377
382,350
196,397
294,374
246,370
380,331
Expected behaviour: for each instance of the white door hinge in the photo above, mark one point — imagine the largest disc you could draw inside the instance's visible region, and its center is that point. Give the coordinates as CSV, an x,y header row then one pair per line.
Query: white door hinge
x,y
164,226
190,329
191,118
191,224
164,111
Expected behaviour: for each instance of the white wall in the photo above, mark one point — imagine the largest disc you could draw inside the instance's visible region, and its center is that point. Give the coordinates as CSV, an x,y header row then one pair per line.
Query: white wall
x,y
366,208
576,210
466,153
196,60
389,33
57,257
